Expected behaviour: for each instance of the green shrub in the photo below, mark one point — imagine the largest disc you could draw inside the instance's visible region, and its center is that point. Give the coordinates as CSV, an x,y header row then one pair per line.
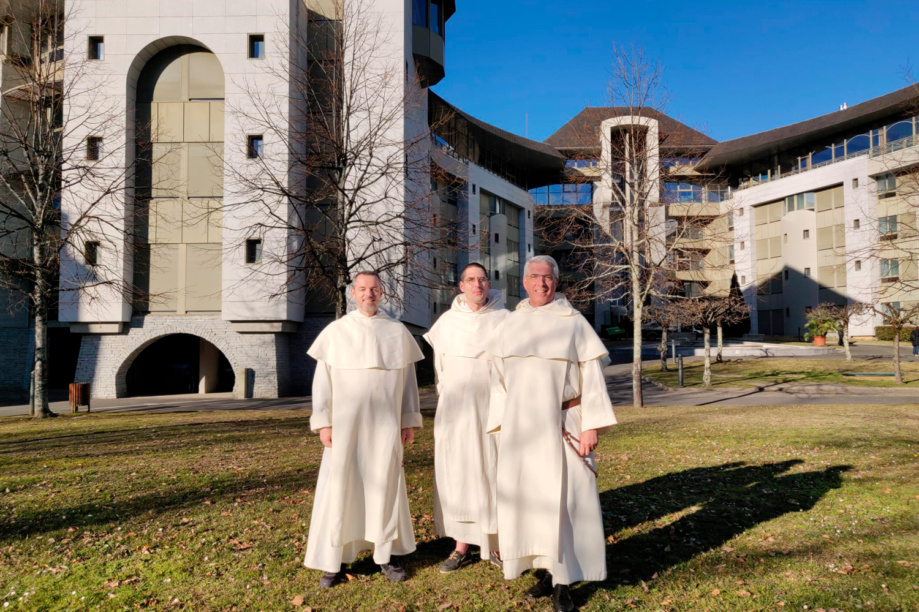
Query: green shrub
x,y
885,332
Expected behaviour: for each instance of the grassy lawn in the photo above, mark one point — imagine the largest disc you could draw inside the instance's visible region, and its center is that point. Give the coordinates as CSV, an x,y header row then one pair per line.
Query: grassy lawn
x,y
780,508
775,370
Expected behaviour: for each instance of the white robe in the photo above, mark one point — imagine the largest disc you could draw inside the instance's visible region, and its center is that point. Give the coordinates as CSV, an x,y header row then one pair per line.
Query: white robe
x,y
465,455
548,504
365,389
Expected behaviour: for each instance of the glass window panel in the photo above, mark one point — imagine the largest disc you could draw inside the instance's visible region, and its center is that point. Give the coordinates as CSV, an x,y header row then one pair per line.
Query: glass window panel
x,y
839,151
809,200
822,156
858,143
901,129
434,17
420,13
799,199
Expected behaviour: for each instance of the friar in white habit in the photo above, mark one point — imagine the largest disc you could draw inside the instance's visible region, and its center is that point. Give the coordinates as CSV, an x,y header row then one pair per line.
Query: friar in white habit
x,y
365,407
465,456
550,402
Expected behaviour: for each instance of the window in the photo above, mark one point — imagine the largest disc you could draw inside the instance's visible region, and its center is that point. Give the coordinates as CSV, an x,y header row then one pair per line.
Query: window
x,y
890,269
91,253
856,224
497,275
740,212
786,274
529,212
858,265
435,263
497,238
96,48
473,190
787,312
563,194
682,192
254,250
256,46
806,234
731,253
887,227
731,220
743,245
743,280
800,201
529,248
855,183
256,147
420,13
807,272
93,148
473,229
435,17
887,186
4,39
785,238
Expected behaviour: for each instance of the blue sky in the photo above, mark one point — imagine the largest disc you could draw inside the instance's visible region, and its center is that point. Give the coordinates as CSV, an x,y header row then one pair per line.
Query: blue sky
x,y
732,68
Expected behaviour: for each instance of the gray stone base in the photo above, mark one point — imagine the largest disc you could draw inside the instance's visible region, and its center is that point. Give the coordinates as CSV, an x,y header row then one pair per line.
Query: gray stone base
x,y
16,348
105,359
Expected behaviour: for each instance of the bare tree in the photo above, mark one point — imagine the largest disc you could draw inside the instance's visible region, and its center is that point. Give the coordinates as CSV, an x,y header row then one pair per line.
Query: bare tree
x,y
898,318
668,313
709,312
844,315
635,242
347,174
44,153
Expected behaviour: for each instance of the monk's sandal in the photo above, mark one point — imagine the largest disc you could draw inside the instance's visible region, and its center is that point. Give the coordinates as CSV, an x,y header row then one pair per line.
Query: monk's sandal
x,y
455,561
395,573
495,560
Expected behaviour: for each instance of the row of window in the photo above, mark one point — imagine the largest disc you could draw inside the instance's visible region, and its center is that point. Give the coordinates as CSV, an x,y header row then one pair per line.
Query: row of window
x,y
255,147
95,47
691,192
564,194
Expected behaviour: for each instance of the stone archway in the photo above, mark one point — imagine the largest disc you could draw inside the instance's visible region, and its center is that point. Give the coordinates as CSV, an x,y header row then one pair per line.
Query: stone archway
x,y
143,341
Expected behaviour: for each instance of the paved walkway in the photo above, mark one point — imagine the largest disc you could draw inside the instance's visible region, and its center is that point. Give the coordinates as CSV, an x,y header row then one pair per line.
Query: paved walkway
x,y
618,381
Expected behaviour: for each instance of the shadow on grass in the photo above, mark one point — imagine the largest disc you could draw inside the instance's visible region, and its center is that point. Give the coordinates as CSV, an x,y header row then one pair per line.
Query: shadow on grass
x,y
723,501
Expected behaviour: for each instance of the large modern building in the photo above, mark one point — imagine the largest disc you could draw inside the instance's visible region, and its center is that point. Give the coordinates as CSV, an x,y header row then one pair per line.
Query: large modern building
x,y
822,211
186,284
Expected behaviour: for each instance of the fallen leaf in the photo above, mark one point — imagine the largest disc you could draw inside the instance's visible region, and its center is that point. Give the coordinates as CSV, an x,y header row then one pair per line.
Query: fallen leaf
x,y
744,593
297,601
444,606
716,592
905,563
350,577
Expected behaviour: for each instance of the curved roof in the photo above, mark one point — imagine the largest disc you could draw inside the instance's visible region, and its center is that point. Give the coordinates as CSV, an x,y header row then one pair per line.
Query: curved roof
x,y
582,131
532,163
749,148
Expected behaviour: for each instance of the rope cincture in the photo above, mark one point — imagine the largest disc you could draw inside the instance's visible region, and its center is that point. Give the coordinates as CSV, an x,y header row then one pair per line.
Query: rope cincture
x,y
568,438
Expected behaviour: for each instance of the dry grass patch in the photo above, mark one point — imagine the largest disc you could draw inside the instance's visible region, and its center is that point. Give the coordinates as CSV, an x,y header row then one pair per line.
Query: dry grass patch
x,y
705,508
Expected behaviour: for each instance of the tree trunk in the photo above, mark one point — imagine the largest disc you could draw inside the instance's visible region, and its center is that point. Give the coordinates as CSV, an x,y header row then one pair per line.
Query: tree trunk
x,y
637,310
845,340
718,356
341,302
663,348
898,374
707,341
40,298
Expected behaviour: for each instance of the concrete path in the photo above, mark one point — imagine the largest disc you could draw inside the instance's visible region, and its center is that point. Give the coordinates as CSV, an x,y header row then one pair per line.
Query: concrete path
x,y
619,382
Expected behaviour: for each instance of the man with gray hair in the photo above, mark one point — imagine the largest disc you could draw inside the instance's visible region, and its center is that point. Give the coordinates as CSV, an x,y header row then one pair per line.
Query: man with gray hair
x,y
549,401
365,402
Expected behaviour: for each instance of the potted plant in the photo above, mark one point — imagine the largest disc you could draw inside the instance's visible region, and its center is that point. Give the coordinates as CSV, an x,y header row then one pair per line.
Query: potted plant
x,y
820,322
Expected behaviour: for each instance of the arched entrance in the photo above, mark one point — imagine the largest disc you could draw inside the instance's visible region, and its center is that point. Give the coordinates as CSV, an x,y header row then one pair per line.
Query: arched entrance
x,y
177,364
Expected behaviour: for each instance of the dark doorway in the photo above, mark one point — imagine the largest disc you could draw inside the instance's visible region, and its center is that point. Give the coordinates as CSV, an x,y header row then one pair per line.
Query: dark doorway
x,y
180,364
63,353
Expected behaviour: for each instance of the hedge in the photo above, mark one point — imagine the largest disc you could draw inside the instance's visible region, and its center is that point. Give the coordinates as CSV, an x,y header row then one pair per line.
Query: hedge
x,y
885,332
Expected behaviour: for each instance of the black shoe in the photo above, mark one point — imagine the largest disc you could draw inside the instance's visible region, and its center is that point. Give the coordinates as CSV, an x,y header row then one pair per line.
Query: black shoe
x,y
330,579
455,561
561,599
394,572
541,589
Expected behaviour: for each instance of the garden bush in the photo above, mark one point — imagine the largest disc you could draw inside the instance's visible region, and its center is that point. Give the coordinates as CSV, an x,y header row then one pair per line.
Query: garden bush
x,y
885,332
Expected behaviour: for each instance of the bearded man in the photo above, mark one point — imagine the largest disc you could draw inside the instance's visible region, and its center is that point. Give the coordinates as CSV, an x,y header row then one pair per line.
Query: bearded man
x,y
550,402
365,402
465,456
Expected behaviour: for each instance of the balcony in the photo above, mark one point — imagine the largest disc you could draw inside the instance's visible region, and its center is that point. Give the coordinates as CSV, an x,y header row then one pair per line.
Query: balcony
x,y
694,209
429,20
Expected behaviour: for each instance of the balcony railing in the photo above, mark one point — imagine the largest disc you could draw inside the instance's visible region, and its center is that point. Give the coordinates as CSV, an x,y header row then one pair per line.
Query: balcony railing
x,y
896,145
768,178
